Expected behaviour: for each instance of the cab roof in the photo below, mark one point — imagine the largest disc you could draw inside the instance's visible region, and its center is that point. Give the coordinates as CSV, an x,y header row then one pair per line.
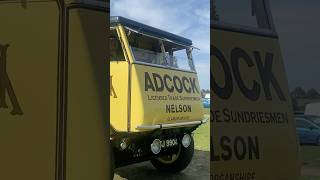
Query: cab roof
x,y
145,29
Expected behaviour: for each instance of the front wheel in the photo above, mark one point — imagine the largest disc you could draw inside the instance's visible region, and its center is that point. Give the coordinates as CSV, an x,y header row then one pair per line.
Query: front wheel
x,y
176,162
112,165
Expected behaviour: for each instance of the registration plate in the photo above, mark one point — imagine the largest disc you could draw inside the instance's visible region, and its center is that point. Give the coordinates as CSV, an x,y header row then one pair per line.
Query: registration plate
x,y
169,143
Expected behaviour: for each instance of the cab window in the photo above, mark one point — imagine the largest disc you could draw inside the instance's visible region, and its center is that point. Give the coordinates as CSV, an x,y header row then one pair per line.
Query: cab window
x,y
151,50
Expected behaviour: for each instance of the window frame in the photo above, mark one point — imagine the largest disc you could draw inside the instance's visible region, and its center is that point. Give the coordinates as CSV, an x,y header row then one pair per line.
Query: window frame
x,y
190,61
121,45
271,32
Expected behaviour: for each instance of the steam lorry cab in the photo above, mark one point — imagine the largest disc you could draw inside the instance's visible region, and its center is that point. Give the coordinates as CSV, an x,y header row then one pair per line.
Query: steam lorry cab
x,y
155,97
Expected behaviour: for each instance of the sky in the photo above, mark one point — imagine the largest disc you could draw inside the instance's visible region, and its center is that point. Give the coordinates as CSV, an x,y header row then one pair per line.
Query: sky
x,y
187,18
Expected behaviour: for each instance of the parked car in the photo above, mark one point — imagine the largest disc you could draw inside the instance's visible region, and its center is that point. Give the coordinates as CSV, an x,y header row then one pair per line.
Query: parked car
x,y
308,131
315,119
206,102
313,109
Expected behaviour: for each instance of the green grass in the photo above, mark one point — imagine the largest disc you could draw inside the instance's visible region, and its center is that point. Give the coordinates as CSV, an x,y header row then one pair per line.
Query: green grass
x,y
310,178
310,161
310,156
202,135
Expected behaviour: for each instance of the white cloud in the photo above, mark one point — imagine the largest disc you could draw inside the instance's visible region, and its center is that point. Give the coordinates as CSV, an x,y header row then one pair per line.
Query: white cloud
x,y
151,12
201,40
203,70
188,18
203,15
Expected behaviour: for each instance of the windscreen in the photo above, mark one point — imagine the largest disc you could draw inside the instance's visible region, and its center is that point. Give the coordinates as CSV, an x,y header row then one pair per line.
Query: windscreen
x,y
155,51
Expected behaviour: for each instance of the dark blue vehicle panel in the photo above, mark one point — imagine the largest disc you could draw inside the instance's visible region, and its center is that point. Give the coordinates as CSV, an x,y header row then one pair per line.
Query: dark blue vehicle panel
x,y
308,132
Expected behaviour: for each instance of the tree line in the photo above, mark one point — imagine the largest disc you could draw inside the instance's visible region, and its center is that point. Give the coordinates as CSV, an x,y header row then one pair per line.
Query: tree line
x,y
299,92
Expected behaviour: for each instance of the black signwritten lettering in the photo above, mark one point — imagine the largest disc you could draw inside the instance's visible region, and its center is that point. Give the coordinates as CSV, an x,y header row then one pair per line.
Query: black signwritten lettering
x,y
235,148
235,176
6,85
254,151
240,148
267,76
170,87
148,82
225,146
112,90
238,54
174,108
224,92
160,83
185,82
216,116
264,70
178,118
213,156
193,85
177,84
229,116
157,98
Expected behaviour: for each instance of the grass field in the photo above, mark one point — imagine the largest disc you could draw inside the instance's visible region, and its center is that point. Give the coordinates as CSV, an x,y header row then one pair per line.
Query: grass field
x,y
310,178
310,156
310,161
202,135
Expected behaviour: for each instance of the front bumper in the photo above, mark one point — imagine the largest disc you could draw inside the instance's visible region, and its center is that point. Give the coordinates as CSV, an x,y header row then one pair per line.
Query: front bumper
x,y
172,125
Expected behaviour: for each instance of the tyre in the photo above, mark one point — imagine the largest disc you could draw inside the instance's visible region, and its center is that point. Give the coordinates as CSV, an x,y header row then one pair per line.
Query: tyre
x,y
112,165
177,162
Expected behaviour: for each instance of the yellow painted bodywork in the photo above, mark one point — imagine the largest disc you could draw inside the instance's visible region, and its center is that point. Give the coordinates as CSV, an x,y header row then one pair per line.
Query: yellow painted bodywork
x,y
278,142
146,111
36,143
131,104
119,94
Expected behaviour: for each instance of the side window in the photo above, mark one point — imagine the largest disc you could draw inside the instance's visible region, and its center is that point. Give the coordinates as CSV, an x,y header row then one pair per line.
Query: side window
x,y
116,52
182,59
151,50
